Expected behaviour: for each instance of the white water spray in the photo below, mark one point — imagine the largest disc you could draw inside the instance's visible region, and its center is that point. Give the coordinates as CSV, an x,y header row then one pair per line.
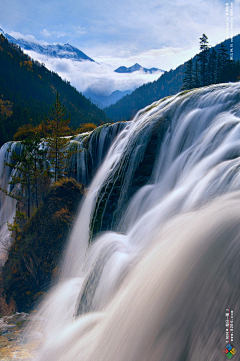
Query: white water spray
x,y
156,285
7,204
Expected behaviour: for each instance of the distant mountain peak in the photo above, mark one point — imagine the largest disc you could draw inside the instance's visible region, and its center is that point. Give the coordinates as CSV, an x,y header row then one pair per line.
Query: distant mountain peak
x,y
62,51
136,67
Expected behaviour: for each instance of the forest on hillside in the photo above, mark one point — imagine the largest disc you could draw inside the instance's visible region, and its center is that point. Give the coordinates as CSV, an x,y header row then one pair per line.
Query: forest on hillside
x,y
213,65
27,90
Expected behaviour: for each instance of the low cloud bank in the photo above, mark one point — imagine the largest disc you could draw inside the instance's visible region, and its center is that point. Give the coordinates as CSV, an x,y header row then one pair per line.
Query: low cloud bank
x,y
98,78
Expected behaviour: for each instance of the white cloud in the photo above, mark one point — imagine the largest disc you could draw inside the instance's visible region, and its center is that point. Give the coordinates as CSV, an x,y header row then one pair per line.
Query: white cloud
x,y
153,24
29,38
75,31
46,33
153,33
59,34
166,58
124,26
99,78
79,30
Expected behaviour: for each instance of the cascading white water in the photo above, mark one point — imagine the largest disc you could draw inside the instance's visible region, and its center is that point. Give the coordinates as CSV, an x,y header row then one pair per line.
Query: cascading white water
x,y
155,286
7,204
91,150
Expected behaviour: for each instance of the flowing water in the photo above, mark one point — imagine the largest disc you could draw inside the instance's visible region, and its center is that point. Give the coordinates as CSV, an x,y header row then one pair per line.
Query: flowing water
x,y
153,260
7,204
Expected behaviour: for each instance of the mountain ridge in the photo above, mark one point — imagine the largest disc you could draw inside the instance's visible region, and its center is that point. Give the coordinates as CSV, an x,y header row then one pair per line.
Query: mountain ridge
x,y
28,90
169,83
136,67
65,51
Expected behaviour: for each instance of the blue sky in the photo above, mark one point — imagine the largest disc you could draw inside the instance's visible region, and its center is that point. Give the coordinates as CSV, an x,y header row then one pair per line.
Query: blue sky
x,y
120,29
155,33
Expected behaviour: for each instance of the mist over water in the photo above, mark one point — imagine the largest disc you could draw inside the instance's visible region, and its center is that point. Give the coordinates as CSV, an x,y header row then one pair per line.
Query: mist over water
x,y
153,259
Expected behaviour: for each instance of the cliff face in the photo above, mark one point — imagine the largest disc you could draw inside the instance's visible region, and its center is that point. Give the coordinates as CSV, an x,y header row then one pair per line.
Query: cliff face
x,y
33,257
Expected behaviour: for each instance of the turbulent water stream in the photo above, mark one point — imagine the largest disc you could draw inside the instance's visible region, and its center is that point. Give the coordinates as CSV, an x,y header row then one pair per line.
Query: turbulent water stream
x,y
153,260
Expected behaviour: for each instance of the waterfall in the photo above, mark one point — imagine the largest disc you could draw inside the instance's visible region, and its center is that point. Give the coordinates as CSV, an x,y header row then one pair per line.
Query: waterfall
x,y
153,259
91,150
7,204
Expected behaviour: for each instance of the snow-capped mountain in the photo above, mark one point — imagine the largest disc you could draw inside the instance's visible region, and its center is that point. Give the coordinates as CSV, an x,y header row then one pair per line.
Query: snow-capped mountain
x,y
65,51
136,67
91,78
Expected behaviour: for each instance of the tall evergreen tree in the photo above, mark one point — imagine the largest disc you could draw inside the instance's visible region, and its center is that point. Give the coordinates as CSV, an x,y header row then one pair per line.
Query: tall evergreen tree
x,y
196,75
188,78
31,139
203,58
56,129
212,67
223,63
28,169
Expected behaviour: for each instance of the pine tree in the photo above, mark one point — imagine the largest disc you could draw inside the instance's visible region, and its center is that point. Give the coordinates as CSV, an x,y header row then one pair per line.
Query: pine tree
x,y
212,67
223,63
56,129
28,168
188,78
196,75
203,58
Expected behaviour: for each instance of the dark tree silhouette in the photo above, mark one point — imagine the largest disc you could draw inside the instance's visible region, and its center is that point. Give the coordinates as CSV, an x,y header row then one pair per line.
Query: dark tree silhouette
x,y
188,82
203,58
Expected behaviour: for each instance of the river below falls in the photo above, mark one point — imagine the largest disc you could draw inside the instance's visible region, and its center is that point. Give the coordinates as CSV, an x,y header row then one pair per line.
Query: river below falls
x,y
11,330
